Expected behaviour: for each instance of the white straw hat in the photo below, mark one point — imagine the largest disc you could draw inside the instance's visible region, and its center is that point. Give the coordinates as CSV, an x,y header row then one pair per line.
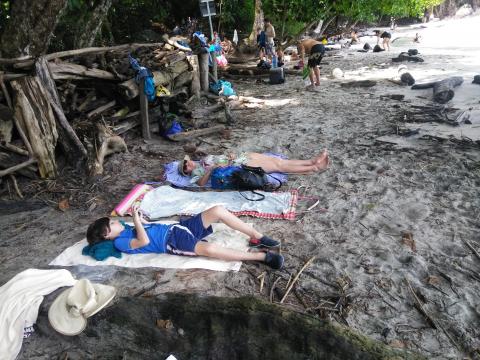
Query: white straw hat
x,y
69,312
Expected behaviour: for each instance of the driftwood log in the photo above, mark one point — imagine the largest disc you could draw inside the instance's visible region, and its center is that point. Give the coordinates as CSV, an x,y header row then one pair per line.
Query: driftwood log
x,y
443,89
34,117
68,139
107,144
69,71
130,88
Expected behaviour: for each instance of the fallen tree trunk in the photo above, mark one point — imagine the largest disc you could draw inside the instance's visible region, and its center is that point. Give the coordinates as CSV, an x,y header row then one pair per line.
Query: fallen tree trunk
x,y
130,88
69,71
8,161
35,117
443,89
28,61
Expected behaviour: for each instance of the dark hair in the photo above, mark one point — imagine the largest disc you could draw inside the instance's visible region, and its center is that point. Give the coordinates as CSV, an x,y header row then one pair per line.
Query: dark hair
x,y
97,230
267,20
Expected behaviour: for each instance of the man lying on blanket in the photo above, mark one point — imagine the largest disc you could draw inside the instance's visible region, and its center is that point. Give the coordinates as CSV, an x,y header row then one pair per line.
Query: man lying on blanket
x,y
184,238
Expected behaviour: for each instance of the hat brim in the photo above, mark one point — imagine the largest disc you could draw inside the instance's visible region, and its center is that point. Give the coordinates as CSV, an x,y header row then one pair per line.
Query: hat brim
x,y
65,323
61,319
180,165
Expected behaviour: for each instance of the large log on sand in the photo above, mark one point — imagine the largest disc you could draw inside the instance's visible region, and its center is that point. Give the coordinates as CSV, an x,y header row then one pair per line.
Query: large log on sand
x,y
130,88
443,89
34,115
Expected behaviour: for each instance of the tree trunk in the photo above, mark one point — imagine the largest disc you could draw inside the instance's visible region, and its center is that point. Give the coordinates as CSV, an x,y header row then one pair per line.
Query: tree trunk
x,y
30,27
92,23
257,22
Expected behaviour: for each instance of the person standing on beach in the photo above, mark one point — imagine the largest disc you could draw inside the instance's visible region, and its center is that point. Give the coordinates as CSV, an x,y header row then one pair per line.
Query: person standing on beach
x,y
270,34
386,36
316,50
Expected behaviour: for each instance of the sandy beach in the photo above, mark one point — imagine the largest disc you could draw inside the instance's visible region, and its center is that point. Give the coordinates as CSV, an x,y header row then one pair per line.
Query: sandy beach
x,y
394,219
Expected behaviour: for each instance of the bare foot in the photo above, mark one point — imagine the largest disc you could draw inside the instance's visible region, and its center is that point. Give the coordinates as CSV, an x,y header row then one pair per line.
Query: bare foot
x,y
317,84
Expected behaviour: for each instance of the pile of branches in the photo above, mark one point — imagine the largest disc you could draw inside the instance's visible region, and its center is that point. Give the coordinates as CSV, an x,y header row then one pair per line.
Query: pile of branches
x,y
75,104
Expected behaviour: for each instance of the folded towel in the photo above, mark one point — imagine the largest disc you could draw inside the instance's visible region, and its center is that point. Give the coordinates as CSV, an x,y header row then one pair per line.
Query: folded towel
x,y
101,251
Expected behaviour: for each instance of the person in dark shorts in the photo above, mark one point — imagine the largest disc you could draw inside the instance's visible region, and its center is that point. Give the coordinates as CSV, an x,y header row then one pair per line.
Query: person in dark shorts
x,y
386,37
316,50
185,238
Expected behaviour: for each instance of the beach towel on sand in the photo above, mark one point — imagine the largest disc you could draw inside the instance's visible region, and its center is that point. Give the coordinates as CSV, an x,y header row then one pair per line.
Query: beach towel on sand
x,y
166,201
222,235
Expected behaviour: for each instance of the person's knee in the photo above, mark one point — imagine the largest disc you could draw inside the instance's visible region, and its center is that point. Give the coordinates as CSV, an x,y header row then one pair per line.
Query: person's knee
x,y
217,210
204,249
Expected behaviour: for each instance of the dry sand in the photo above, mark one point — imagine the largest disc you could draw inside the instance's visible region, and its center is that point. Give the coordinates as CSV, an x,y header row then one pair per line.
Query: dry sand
x,y
374,192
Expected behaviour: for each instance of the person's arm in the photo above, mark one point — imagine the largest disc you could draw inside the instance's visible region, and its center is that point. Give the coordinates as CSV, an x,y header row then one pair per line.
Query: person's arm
x,y
204,179
142,238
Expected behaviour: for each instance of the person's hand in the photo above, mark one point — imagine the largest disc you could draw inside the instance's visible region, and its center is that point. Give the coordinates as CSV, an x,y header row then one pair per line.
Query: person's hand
x,y
137,214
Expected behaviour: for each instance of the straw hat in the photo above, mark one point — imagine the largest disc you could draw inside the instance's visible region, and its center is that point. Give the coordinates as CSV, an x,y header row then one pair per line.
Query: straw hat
x,y
180,165
69,312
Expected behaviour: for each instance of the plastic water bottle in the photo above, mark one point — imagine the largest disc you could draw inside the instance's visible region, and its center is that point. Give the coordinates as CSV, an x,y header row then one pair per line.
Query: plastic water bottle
x,y
274,61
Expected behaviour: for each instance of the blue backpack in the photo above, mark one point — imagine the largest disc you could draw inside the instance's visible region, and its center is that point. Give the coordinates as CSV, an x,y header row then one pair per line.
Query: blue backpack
x,y
222,177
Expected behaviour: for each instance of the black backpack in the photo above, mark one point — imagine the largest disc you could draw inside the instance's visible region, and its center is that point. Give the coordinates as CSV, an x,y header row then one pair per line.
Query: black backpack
x,y
250,178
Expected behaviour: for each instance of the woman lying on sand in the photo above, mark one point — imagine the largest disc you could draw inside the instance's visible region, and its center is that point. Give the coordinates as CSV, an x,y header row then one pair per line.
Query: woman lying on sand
x,y
201,171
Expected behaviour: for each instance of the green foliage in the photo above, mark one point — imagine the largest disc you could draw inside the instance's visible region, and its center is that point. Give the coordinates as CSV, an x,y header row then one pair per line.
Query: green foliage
x,y
237,14
4,13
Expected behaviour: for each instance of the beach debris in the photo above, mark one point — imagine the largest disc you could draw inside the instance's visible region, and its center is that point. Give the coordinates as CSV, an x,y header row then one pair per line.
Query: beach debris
x,y
337,73
405,56
290,286
476,79
442,89
63,205
407,239
377,48
360,83
470,246
407,79
164,324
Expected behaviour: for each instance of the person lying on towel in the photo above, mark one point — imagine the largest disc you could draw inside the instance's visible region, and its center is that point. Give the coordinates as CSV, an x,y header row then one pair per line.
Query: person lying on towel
x,y
201,171
184,238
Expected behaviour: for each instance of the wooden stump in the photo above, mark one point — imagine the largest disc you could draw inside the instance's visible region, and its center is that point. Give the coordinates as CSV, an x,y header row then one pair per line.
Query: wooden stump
x,y
109,144
35,118
443,90
203,63
195,86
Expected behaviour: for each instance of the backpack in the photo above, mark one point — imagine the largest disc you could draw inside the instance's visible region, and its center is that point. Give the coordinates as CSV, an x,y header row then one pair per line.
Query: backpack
x,y
221,177
244,178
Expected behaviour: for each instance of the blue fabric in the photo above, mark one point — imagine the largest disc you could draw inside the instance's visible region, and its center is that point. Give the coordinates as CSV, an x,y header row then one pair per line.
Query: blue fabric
x,y
187,233
222,84
262,39
143,73
221,177
201,37
175,129
157,233
101,250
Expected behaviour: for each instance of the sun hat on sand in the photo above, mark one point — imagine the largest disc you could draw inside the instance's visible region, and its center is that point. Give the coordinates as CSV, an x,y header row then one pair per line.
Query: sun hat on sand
x,y
180,165
69,311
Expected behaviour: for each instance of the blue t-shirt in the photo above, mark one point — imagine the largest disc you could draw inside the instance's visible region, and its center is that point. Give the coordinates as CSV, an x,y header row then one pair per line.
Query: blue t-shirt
x,y
157,233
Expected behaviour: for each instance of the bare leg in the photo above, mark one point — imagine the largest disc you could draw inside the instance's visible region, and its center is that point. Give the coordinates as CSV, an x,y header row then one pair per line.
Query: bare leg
x,y
316,70
270,164
310,75
220,214
214,251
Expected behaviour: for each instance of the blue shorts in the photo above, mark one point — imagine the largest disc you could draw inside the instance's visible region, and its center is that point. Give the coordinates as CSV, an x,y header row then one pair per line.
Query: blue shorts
x,y
182,237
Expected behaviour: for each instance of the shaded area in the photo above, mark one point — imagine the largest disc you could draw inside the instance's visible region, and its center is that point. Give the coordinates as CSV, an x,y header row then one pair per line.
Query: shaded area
x,y
192,327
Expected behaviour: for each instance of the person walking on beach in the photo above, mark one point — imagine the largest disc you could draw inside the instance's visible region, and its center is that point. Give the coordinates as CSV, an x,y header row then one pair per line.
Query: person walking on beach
x,y
316,50
386,36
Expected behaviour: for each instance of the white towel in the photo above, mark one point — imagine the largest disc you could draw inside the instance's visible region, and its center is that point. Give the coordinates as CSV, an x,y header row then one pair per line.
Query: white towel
x,y
166,201
222,235
20,299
